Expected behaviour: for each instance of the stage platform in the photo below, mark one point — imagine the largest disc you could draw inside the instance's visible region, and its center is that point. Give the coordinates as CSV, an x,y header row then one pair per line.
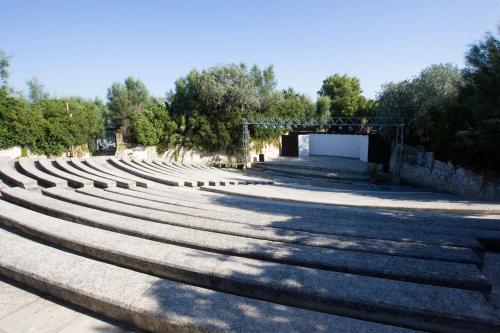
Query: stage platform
x,y
323,163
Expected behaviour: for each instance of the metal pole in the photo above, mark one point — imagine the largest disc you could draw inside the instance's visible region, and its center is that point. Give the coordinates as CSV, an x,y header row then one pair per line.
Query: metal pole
x,y
401,147
246,139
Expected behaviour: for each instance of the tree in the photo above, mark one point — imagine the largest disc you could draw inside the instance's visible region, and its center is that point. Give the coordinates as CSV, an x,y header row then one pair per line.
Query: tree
x,y
213,102
4,72
367,108
65,122
476,141
19,125
436,89
291,104
323,105
149,127
4,65
36,90
124,99
344,92
483,78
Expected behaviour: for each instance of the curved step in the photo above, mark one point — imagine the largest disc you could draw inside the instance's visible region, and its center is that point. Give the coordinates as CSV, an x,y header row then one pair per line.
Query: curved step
x,y
10,175
235,181
202,179
349,176
462,276
254,180
140,182
188,181
27,166
346,217
120,182
152,303
240,179
137,207
218,178
314,225
23,310
74,181
435,308
317,196
98,181
144,174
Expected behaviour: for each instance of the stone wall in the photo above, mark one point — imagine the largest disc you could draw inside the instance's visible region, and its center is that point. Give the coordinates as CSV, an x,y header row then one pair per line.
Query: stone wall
x,y
271,149
13,152
73,151
420,168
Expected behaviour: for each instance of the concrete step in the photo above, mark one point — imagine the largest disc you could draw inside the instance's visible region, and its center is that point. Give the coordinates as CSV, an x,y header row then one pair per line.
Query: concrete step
x,y
307,167
254,180
170,168
189,179
206,179
441,273
161,305
307,224
183,181
239,179
27,166
120,182
311,289
145,174
133,207
25,310
335,175
323,216
312,195
46,166
110,170
98,181
10,175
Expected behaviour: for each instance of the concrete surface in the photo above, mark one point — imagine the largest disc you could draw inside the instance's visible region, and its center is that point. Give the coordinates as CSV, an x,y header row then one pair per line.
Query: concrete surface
x,y
27,166
392,267
46,166
24,311
156,304
414,250
98,181
309,194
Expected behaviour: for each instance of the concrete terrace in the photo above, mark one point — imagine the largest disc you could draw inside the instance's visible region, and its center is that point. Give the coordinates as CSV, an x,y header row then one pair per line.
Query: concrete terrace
x,y
109,244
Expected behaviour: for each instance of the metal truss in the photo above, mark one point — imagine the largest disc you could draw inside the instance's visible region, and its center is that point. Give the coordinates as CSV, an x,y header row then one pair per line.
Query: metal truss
x,y
358,122
334,121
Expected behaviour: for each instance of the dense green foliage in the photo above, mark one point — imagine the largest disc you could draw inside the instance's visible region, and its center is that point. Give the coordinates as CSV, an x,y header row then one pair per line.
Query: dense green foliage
x,y
4,65
150,126
36,90
418,100
454,113
17,122
322,110
141,118
212,103
345,97
48,126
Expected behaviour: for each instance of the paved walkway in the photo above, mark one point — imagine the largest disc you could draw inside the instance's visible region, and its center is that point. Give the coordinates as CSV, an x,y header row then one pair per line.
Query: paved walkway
x,y
416,201
18,305
334,163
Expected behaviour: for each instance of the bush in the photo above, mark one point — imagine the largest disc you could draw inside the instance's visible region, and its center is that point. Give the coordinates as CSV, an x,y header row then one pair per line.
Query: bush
x,y
148,127
49,126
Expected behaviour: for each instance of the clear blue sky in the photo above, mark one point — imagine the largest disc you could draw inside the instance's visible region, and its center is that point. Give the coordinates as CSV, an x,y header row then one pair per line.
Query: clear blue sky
x,y
81,47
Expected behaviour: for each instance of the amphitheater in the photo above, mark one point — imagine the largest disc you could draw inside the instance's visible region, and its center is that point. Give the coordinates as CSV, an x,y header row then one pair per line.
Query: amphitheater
x,y
104,244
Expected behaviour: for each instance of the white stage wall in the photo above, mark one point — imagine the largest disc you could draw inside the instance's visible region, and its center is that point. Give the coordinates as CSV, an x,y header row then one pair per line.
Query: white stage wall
x,y
355,146
304,145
